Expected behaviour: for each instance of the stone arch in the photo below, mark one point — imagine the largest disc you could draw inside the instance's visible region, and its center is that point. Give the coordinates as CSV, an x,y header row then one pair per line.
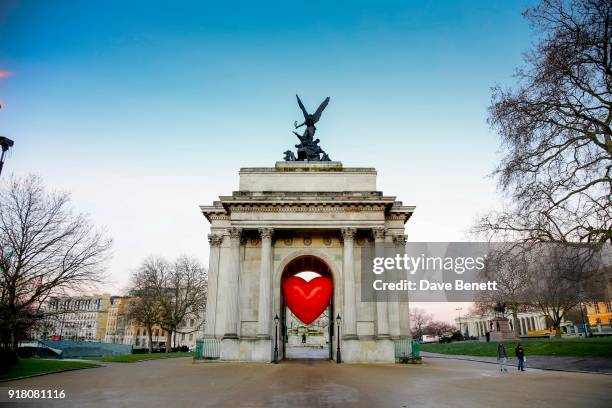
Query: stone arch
x,y
278,272
307,263
334,274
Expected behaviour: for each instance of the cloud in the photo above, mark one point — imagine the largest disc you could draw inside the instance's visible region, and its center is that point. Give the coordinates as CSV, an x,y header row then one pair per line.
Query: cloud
x,y
5,74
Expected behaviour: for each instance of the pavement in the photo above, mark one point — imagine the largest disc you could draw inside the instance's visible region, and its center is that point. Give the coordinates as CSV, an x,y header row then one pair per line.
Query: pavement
x,y
307,353
601,365
178,382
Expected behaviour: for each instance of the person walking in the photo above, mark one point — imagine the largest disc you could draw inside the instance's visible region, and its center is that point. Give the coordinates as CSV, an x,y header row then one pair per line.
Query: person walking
x,y
520,355
502,357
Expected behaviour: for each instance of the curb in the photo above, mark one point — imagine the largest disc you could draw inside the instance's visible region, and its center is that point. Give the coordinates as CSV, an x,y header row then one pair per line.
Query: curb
x,y
50,372
137,361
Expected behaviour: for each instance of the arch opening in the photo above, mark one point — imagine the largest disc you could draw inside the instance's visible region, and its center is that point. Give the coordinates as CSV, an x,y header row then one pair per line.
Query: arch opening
x,y
313,340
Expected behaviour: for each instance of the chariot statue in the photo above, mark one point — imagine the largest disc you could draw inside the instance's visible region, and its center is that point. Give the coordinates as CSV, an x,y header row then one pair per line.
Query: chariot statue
x,y
308,149
500,309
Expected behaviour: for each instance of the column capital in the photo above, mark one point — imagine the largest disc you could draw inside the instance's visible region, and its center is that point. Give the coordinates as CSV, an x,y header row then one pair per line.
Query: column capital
x,y
379,233
400,240
266,233
348,233
234,232
215,240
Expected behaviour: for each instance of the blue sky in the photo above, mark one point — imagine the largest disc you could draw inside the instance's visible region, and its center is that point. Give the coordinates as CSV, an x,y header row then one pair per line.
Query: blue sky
x,y
146,110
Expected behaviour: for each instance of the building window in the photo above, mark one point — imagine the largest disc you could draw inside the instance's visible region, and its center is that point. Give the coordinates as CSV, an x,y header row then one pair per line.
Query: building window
x,y
191,337
609,307
183,336
191,322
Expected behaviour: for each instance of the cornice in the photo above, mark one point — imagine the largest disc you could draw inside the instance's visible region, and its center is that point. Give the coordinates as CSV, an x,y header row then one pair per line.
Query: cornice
x,y
306,207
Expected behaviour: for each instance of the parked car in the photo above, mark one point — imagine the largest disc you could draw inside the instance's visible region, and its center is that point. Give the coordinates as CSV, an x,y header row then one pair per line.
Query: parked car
x,y
429,338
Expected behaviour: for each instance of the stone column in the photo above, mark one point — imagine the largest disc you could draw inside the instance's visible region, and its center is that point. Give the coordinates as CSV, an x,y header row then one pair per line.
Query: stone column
x,y
348,274
213,277
399,309
265,280
382,317
231,285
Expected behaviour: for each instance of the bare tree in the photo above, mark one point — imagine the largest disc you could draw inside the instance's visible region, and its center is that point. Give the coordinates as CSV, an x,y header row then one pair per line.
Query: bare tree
x,y
45,250
436,327
563,276
509,267
555,128
182,295
145,307
419,319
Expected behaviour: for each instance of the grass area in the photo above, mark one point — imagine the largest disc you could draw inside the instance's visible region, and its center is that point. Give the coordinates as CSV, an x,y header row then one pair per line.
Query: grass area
x,y
594,347
133,358
32,366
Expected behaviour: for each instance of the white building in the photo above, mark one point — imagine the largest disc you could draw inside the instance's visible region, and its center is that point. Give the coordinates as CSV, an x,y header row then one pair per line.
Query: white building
x,y
477,326
121,329
191,330
78,318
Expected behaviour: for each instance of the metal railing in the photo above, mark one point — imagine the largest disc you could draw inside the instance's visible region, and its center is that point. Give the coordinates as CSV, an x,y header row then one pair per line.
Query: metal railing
x,y
78,349
406,351
207,349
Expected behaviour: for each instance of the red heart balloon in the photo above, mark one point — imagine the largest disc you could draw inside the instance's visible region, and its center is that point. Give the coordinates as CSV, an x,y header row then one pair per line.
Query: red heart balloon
x,y
307,300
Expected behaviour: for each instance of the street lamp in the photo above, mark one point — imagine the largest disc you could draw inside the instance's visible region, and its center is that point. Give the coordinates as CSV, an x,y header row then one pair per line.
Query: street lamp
x,y
276,319
338,355
459,309
5,143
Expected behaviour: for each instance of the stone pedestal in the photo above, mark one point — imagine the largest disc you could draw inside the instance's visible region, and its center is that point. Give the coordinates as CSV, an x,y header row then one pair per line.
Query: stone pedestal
x,y
501,330
230,349
368,351
262,349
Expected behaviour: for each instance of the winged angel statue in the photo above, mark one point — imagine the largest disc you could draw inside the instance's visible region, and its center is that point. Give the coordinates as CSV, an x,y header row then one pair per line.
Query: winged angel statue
x,y
308,149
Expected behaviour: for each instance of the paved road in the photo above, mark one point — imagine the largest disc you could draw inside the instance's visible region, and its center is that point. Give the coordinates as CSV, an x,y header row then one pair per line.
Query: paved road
x,y
175,383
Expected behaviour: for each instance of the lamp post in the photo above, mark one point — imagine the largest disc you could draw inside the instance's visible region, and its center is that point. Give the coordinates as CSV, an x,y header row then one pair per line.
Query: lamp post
x,y
459,309
6,144
338,355
276,319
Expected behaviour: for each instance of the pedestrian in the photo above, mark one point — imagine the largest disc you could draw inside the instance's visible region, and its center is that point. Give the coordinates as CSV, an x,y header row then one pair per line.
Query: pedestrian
x,y
488,336
303,338
520,355
502,357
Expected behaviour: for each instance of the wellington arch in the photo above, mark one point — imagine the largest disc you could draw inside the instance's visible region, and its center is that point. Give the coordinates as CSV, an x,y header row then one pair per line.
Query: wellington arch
x,y
298,209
